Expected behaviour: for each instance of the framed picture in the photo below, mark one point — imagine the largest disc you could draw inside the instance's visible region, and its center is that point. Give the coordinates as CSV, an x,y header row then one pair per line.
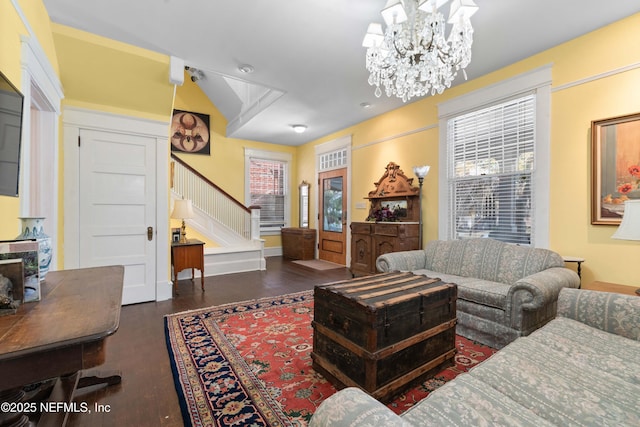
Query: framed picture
x,y
13,270
615,146
190,132
27,250
175,235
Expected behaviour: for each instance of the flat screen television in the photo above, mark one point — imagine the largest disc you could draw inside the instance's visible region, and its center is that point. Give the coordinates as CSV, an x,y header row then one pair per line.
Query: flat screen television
x,y
11,105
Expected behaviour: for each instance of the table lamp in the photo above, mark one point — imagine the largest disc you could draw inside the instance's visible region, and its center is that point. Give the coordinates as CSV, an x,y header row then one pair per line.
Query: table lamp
x,y
630,227
182,209
421,172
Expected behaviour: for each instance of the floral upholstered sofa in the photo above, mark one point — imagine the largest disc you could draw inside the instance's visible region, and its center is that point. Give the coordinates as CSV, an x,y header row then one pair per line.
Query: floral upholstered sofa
x,y
581,369
504,290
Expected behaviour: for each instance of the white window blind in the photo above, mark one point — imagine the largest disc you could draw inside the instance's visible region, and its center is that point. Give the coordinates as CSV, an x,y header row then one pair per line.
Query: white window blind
x,y
267,190
491,155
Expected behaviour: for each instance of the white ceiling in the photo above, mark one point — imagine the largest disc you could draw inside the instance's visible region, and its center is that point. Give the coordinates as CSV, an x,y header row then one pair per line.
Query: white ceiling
x,y
307,54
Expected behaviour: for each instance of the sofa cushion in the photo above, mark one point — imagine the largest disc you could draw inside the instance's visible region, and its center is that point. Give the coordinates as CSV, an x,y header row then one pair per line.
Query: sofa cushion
x,y
479,291
488,259
590,346
559,388
467,401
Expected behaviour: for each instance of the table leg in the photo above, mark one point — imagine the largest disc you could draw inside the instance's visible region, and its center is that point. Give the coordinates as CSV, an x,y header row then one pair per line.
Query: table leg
x,y
13,396
175,282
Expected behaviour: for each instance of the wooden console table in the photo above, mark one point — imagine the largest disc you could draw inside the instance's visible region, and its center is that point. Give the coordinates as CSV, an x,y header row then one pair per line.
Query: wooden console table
x,y
60,336
187,255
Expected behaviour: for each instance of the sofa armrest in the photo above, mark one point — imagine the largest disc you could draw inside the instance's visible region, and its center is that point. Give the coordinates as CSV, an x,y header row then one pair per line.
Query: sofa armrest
x,y
542,288
610,312
354,408
401,261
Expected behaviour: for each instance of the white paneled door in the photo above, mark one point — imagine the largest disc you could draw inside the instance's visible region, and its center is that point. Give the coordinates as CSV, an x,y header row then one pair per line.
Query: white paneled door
x,y
117,195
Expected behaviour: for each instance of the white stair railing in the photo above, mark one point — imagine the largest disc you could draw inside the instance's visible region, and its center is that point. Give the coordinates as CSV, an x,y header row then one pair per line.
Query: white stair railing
x,y
212,200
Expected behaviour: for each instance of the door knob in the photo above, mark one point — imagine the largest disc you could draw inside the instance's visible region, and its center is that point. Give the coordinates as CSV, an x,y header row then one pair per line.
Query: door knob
x,y
150,233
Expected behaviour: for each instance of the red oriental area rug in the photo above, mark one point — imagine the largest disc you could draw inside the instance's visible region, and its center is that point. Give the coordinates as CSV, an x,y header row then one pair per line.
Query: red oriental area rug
x,y
249,363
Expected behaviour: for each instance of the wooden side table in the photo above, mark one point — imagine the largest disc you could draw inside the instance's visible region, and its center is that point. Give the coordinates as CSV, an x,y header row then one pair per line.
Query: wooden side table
x,y
187,255
577,260
60,336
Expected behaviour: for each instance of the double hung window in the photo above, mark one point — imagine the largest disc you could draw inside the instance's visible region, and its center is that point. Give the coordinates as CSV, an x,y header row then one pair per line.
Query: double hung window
x,y
491,165
268,187
494,157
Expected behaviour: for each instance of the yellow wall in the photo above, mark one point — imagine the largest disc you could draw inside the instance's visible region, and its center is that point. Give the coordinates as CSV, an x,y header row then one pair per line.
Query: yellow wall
x,y
11,29
110,76
102,74
225,165
573,109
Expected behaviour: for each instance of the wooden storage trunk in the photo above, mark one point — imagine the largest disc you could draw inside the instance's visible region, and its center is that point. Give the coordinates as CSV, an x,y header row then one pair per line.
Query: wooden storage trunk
x,y
298,243
385,332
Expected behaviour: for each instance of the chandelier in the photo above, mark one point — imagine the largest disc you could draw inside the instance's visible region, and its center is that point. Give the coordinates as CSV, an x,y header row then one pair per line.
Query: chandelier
x,y
412,57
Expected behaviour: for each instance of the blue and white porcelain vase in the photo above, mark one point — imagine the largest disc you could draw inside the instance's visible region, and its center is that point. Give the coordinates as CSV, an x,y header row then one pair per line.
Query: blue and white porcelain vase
x,y
33,228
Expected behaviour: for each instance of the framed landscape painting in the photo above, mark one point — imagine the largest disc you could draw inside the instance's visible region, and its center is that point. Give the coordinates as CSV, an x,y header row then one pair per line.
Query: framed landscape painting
x,y
615,148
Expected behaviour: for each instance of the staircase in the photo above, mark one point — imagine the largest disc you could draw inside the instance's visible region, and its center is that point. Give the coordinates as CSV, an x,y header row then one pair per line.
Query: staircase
x,y
222,219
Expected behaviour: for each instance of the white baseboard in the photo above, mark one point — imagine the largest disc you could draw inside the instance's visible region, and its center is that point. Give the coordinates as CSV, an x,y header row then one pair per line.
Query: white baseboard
x,y
164,290
273,251
219,261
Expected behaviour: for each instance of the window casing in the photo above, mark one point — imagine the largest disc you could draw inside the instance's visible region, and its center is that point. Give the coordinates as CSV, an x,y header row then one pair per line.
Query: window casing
x,y
267,185
496,183
491,166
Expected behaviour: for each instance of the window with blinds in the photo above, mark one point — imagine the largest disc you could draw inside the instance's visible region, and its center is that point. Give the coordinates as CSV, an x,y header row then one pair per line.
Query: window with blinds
x,y
491,159
267,186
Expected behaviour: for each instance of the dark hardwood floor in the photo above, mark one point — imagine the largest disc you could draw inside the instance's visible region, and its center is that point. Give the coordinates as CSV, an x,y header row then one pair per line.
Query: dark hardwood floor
x,y
147,395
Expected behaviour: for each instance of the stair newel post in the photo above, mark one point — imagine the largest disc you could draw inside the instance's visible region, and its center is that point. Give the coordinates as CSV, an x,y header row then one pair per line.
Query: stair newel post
x,y
255,222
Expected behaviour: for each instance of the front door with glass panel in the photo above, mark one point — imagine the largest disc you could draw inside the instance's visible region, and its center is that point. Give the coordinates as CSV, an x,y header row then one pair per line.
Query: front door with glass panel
x,y
332,221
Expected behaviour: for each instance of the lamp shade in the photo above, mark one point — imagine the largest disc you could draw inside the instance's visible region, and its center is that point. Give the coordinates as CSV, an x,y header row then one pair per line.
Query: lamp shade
x,y
461,9
630,227
421,171
374,36
182,209
393,12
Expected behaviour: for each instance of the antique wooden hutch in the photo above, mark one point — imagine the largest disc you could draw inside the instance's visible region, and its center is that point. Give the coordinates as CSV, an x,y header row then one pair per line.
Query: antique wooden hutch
x,y
392,224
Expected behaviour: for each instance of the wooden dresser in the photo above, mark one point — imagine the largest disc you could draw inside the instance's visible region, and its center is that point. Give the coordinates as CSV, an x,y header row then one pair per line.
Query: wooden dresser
x,y
393,196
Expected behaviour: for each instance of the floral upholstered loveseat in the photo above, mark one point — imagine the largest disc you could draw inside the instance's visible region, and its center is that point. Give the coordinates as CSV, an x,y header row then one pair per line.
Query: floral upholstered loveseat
x,y
504,290
581,369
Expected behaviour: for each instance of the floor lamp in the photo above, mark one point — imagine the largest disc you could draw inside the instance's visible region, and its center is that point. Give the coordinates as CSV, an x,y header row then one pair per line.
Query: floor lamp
x,y
421,172
630,226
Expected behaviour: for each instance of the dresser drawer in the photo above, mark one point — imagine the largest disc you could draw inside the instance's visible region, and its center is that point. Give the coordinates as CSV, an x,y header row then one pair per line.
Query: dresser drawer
x,y
361,227
383,229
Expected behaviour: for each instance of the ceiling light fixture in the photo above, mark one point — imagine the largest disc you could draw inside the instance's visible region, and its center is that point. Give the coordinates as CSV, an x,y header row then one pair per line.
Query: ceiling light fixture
x,y
298,128
412,57
246,69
